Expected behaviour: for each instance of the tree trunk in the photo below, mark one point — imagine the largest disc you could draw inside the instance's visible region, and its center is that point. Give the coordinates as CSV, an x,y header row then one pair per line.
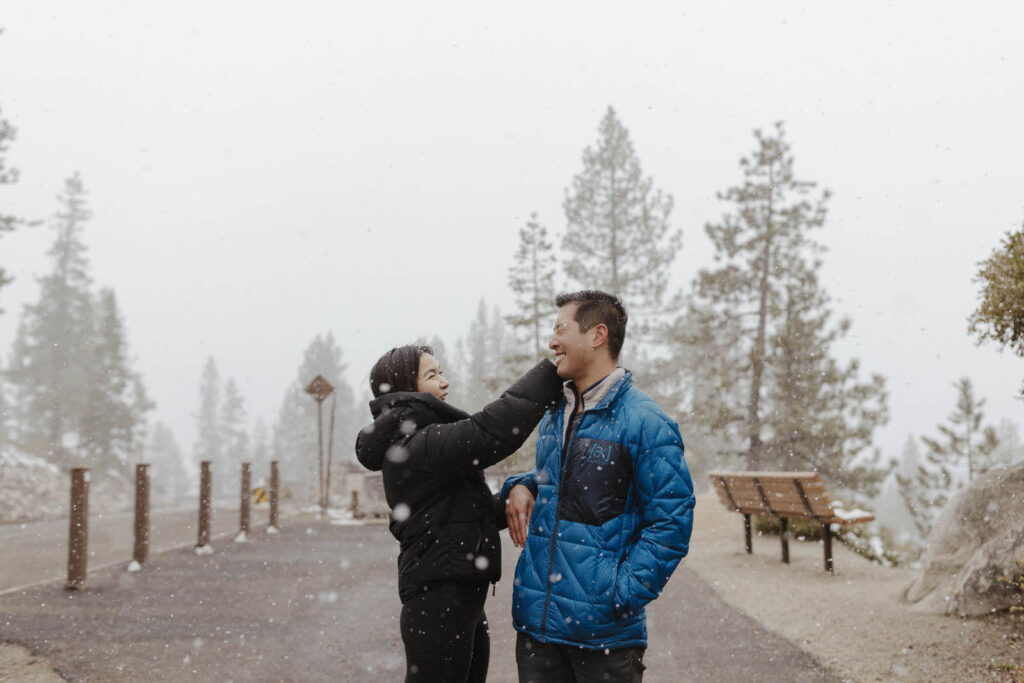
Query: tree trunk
x,y
757,353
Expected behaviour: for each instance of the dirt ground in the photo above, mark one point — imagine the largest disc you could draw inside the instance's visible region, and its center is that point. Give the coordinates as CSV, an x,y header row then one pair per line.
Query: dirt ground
x,y
856,621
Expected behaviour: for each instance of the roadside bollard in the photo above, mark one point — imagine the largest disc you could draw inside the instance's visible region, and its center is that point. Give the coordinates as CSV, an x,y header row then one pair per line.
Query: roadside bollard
x,y
78,537
141,552
205,485
243,510
274,481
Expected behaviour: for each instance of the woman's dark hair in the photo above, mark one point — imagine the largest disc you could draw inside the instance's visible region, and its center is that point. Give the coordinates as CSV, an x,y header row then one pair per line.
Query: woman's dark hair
x,y
397,370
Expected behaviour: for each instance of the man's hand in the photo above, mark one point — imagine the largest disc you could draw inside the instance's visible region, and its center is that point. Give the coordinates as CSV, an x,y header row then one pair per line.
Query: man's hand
x,y
518,509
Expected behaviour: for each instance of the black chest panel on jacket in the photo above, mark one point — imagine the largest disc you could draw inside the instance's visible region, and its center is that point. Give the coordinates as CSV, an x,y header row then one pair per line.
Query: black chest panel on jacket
x,y
596,481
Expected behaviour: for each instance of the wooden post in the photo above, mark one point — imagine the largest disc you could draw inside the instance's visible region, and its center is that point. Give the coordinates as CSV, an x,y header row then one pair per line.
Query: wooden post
x,y
205,485
746,533
274,483
330,454
784,535
826,535
243,511
78,536
141,551
320,455
355,504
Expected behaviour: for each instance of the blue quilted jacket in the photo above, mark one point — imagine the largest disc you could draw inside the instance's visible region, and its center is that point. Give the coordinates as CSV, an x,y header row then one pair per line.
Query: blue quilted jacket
x,y
613,516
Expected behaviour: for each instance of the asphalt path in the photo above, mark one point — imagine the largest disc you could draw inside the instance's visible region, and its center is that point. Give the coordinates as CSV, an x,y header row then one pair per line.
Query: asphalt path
x,y
319,602
38,551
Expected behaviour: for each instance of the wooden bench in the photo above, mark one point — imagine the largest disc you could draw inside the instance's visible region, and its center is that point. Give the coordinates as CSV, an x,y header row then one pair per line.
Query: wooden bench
x,y
785,496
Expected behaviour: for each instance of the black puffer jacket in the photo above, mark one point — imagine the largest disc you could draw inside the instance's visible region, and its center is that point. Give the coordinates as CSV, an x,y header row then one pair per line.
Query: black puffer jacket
x,y
432,457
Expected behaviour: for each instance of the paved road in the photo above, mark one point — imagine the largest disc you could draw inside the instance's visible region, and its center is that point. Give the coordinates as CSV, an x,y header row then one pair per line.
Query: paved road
x,y
38,551
319,602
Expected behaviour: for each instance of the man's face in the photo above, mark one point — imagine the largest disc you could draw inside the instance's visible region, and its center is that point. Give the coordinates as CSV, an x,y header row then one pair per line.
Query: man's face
x,y
571,346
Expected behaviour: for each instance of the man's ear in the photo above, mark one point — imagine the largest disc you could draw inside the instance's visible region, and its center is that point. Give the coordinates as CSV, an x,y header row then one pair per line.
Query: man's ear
x,y
599,335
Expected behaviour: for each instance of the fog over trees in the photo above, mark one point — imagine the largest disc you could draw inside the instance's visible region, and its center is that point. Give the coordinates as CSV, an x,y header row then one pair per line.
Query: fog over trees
x,y
745,357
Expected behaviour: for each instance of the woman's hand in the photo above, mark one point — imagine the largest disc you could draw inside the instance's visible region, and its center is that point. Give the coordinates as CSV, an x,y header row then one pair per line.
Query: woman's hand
x,y
517,512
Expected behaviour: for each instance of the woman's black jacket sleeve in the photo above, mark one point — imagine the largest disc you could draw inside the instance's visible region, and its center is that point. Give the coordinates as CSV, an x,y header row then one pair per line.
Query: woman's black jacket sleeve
x,y
495,432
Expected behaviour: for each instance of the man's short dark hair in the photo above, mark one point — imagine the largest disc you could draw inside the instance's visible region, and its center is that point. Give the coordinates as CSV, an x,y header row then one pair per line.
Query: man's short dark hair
x,y
397,370
594,307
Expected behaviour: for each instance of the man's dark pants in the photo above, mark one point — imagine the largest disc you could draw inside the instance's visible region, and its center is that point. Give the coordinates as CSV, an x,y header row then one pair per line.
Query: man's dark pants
x,y
552,663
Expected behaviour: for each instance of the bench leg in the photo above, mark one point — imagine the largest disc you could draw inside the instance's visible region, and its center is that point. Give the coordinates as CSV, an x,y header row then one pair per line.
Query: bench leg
x,y
826,535
746,533
784,535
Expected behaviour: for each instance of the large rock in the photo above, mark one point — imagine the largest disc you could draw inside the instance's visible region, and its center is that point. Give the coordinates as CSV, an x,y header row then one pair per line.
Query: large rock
x,y
978,537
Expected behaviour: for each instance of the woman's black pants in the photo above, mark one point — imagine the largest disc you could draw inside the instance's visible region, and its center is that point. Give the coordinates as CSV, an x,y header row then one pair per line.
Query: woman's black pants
x,y
444,630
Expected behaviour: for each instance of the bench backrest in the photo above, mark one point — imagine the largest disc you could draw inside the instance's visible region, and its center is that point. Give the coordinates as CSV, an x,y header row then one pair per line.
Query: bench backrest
x,y
780,494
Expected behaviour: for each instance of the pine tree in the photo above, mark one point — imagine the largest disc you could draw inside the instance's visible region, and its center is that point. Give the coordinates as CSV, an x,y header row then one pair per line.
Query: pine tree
x,y
260,449
234,437
1000,314
169,473
476,367
481,360
532,278
966,445
5,417
49,361
295,434
8,176
951,461
1010,450
209,444
618,237
821,417
112,422
761,246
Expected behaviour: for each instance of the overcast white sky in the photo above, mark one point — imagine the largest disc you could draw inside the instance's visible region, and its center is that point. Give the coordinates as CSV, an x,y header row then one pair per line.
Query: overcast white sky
x,y
261,172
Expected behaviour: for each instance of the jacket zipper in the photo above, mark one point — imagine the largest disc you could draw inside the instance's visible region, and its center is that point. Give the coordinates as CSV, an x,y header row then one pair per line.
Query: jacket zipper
x,y
554,530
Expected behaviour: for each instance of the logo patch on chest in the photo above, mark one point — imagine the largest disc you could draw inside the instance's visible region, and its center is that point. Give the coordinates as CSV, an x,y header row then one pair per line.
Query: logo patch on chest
x,y
596,483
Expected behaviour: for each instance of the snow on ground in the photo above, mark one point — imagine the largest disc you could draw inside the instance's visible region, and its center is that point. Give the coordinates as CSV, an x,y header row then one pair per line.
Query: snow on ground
x,y
856,621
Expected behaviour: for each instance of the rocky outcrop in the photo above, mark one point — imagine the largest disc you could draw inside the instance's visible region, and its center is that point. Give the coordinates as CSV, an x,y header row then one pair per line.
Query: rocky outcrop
x,y
978,537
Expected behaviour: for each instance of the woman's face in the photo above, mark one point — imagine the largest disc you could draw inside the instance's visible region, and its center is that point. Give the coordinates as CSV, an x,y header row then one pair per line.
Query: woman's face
x,y
430,380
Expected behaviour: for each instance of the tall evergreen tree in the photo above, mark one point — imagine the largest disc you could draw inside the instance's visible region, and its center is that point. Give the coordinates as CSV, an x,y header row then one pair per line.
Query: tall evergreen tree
x,y
1010,450
618,237
5,417
821,417
169,471
260,449
209,444
112,422
482,363
234,435
965,445
52,349
950,461
295,435
532,278
8,176
761,246
1000,314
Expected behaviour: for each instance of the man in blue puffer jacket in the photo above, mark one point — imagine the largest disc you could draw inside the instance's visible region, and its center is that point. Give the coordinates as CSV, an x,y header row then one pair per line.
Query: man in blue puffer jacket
x,y
613,512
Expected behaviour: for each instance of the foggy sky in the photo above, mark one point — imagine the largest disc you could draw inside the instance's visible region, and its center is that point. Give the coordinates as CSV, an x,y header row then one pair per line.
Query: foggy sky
x,y
263,172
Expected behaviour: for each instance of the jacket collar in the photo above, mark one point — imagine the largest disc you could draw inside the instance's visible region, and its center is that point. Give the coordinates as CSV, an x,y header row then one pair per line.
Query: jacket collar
x,y
602,393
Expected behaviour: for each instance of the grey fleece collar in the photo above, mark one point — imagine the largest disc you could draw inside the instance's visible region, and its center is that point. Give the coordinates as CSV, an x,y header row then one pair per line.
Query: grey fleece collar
x,y
590,397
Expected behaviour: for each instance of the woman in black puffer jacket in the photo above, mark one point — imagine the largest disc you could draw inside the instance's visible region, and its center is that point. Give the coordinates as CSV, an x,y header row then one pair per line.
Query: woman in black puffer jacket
x,y
432,458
